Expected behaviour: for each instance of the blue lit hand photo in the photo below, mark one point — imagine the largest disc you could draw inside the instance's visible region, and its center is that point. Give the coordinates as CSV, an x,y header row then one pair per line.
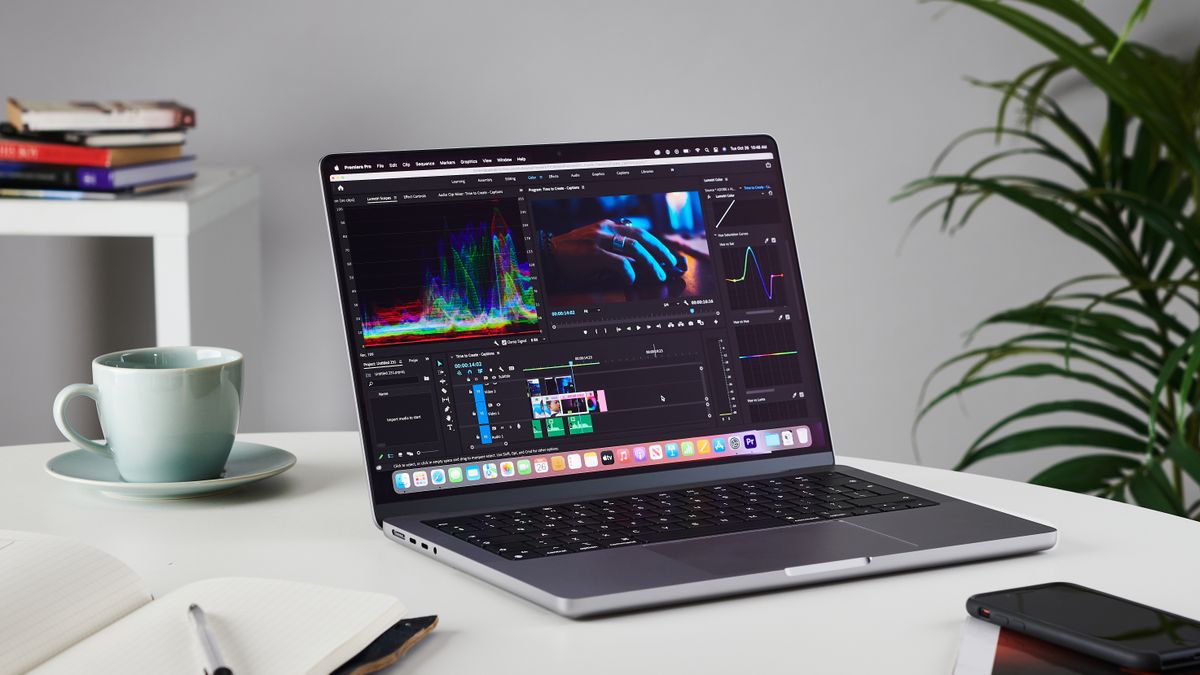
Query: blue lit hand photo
x,y
612,251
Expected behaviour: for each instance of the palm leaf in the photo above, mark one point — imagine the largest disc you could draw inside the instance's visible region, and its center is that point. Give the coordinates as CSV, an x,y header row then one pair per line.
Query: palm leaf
x,y
1115,330
1150,488
1037,370
1085,474
1139,14
1120,84
1112,142
1070,345
1045,209
1054,437
1170,364
1186,457
1095,409
1128,338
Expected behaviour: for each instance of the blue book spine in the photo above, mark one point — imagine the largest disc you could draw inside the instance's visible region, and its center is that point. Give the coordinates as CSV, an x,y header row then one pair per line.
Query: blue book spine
x,y
20,174
94,178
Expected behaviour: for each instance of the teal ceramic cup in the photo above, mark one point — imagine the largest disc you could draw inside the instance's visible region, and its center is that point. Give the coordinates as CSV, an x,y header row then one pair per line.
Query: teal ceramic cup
x,y
169,414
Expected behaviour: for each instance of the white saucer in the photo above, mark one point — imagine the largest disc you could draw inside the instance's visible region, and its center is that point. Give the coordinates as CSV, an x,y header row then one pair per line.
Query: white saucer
x,y
248,462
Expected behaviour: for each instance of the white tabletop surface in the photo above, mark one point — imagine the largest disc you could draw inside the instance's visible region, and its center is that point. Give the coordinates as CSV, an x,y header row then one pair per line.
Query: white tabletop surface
x,y
313,524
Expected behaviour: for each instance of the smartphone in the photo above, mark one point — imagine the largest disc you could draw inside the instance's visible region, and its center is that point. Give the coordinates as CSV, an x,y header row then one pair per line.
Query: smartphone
x,y
1097,624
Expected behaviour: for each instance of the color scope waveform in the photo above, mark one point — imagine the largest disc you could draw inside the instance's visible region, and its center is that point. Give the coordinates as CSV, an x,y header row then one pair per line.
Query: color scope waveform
x,y
740,296
477,285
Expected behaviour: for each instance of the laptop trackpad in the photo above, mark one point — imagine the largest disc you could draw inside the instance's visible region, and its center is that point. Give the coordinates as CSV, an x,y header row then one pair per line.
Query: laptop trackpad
x,y
781,548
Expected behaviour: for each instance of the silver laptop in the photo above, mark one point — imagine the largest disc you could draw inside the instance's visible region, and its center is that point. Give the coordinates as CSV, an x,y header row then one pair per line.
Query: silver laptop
x,y
585,374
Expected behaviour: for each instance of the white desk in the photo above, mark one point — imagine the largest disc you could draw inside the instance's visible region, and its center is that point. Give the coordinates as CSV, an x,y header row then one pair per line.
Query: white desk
x,y
313,524
206,249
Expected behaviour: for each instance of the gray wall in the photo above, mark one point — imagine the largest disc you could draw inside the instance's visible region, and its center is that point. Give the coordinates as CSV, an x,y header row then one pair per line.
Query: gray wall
x,y
861,96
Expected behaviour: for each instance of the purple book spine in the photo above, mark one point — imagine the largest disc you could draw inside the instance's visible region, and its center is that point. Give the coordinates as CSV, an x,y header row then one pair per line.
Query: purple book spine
x,y
95,178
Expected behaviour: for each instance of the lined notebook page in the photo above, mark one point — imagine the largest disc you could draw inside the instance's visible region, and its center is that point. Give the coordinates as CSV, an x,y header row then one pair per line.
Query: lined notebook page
x,y
55,592
263,626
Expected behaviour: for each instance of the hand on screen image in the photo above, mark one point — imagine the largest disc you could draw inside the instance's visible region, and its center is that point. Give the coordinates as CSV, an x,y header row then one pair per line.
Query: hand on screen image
x,y
614,252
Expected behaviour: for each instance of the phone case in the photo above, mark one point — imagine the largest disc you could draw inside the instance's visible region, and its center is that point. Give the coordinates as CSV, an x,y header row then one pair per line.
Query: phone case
x,y
1105,650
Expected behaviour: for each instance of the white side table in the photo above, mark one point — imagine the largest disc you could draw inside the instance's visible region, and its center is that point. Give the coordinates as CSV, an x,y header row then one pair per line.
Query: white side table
x,y
207,286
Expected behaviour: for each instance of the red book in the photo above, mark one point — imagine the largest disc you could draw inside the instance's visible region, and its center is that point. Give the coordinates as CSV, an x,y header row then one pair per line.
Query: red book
x,y
12,150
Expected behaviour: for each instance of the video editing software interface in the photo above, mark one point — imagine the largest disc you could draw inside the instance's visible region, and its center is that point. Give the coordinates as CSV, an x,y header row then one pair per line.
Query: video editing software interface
x,y
543,312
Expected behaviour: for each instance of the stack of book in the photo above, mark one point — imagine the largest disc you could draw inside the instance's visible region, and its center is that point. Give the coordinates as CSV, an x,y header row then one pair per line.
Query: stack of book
x,y
93,150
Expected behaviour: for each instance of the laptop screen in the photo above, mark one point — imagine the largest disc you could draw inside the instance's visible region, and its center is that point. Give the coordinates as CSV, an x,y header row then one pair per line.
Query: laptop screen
x,y
553,313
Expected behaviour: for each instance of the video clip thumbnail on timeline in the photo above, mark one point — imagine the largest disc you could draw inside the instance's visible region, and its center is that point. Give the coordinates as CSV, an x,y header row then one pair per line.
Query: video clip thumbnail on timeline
x,y
510,314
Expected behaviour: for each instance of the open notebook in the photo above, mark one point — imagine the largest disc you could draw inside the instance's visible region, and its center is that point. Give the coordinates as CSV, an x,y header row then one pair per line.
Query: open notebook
x,y
68,608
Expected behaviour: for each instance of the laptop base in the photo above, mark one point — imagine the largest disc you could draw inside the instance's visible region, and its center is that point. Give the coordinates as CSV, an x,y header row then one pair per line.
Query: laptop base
x,y
652,575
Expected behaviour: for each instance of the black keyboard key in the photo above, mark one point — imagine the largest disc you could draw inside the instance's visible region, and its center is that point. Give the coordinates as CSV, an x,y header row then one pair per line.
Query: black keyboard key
x,y
509,538
802,518
717,528
871,501
877,489
624,541
833,479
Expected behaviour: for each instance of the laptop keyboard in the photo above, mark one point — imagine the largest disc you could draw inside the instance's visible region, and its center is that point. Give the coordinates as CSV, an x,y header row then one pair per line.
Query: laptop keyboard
x,y
562,529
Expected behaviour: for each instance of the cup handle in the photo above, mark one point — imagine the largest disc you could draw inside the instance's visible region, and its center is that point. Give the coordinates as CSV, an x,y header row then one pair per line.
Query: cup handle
x,y
60,408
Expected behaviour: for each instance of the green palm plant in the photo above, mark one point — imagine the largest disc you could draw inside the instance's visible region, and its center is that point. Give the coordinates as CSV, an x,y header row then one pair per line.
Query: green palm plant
x,y
1128,336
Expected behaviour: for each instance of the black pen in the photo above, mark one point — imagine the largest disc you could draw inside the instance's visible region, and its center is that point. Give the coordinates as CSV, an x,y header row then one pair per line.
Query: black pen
x,y
213,663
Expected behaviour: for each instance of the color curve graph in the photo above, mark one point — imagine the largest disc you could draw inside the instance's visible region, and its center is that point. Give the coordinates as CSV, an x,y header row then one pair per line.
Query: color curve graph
x,y
754,287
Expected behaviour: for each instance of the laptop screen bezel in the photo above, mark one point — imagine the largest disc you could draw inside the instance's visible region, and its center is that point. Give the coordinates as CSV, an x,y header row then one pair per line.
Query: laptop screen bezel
x,y
519,493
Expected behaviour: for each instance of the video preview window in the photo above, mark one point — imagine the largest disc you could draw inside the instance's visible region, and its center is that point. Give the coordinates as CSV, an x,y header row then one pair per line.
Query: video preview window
x,y
621,248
